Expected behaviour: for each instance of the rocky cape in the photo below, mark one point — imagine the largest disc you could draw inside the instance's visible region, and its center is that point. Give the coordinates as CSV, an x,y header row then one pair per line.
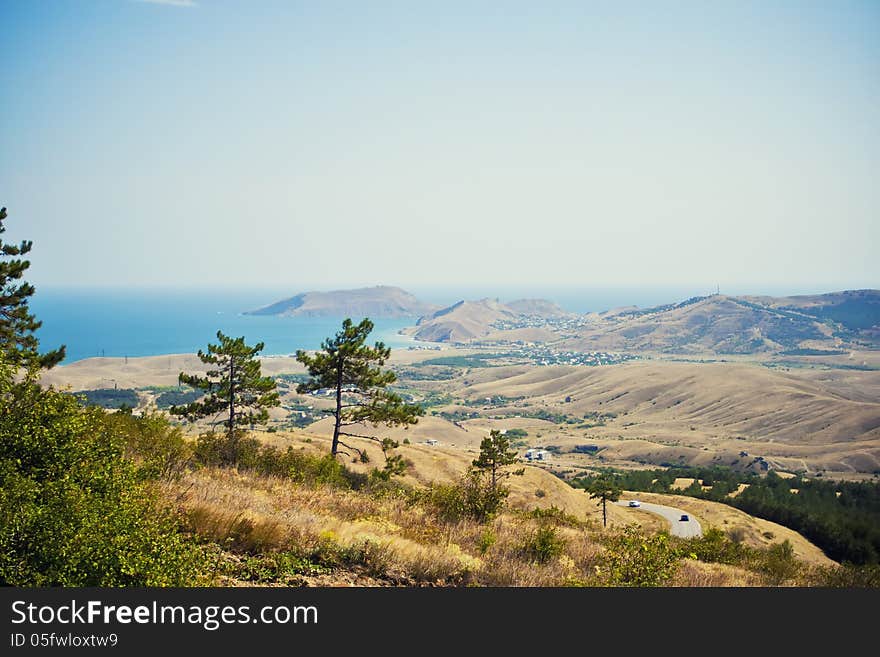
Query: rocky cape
x,y
382,301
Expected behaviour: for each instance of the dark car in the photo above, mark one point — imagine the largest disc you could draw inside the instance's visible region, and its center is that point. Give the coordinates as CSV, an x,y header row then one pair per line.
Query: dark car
x,y
684,517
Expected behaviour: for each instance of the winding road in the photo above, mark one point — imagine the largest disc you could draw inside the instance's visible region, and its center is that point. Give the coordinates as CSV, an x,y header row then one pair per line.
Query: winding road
x,y
677,527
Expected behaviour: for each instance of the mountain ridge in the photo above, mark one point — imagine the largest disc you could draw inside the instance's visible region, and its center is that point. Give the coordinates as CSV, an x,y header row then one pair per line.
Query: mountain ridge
x,y
716,323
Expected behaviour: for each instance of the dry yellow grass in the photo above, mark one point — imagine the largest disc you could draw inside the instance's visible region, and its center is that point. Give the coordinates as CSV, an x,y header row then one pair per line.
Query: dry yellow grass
x,y
398,541
257,513
698,574
536,488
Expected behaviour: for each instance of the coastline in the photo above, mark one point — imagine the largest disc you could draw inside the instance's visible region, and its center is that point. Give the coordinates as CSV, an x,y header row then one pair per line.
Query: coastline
x,y
163,369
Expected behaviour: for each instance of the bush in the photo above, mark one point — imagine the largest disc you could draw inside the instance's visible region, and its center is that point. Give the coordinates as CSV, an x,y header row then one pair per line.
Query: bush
x,y
543,544
557,516
471,497
713,547
487,540
777,563
275,568
635,559
73,510
225,449
158,448
215,449
849,576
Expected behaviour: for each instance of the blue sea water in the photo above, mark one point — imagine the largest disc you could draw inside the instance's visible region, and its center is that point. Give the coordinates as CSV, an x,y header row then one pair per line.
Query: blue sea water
x,y
152,322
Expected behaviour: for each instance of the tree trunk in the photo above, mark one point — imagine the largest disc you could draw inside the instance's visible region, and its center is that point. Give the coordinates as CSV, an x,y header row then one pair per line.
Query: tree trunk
x,y
233,440
604,517
335,447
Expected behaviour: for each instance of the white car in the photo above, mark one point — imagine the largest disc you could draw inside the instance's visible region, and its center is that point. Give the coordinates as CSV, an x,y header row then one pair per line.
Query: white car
x,y
635,503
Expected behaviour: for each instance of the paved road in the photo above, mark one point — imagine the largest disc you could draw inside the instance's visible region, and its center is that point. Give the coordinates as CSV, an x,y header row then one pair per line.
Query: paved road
x,y
685,529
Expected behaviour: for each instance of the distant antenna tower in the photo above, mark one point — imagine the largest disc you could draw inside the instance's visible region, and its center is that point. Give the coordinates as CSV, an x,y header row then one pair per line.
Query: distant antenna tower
x,y
717,289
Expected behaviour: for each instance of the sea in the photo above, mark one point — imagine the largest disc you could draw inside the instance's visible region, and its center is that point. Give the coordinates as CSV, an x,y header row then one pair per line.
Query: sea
x,y
116,322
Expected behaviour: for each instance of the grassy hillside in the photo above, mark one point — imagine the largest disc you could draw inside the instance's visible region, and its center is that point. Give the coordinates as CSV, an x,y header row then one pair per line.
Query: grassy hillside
x,y
272,529
668,412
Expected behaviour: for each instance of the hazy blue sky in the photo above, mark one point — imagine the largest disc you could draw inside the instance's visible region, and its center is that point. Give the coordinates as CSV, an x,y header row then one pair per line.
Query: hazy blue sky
x,y
319,144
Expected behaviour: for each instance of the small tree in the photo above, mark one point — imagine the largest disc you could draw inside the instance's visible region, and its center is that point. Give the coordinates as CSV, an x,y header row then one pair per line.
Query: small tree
x,y
604,489
495,454
353,371
235,389
17,324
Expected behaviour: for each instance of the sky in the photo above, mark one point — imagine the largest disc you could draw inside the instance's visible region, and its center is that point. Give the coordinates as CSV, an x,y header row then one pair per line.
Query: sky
x,y
318,145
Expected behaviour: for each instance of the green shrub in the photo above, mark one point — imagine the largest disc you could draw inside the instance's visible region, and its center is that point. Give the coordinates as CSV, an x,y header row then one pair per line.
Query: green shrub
x,y
543,544
715,547
73,510
225,449
557,516
777,563
157,447
471,497
632,558
247,453
487,540
848,575
274,568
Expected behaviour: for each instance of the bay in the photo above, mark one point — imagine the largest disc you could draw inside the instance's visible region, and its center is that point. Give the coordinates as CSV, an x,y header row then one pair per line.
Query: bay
x,y
97,323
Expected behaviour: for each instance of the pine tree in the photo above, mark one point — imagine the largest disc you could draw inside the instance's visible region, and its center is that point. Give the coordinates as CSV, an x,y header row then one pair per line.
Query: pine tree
x,y
352,369
495,454
18,343
604,489
235,388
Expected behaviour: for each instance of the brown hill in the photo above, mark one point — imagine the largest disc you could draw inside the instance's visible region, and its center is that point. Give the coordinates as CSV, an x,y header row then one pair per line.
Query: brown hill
x,y
462,321
470,320
718,324
380,301
799,325
706,413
